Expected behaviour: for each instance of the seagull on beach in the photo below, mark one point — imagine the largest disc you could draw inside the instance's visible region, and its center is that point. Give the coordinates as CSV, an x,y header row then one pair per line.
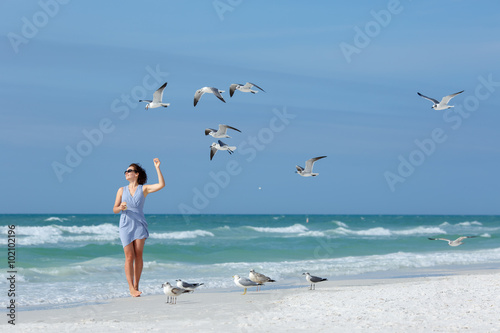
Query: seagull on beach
x,y
456,242
247,87
157,97
212,90
244,283
220,146
172,292
443,105
221,133
188,286
259,278
313,280
307,172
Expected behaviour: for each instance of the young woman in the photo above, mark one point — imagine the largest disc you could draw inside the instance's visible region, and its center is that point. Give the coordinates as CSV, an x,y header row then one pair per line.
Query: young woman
x,y
133,226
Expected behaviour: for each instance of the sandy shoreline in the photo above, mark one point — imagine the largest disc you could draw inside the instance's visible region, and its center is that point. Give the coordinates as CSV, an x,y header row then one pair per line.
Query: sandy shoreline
x,y
467,301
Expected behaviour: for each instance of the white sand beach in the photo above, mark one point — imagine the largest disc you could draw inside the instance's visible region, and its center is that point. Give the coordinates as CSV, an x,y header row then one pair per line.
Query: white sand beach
x,y
469,301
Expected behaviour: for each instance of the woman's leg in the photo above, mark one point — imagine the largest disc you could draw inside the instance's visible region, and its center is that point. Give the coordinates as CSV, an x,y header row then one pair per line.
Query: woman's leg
x,y
138,250
129,251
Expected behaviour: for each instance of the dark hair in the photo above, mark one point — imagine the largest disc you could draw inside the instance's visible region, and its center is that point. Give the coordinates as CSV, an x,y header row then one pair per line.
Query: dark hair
x,y
143,177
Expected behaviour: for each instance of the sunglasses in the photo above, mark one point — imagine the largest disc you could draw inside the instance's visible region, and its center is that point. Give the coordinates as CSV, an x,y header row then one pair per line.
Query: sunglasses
x,y
130,170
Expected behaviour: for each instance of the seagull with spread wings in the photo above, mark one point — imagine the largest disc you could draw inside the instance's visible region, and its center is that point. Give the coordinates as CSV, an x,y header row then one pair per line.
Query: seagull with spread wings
x,y
307,172
247,87
443,105
211,90
157,99
455,242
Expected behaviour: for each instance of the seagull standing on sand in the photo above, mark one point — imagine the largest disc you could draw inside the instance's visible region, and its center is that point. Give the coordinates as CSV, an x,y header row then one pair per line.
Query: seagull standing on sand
x,y
259,278
157,97
221,133
443,105
307,172
243,88
313,280
244,283
220,146
200,92
188,286
172,292
456,242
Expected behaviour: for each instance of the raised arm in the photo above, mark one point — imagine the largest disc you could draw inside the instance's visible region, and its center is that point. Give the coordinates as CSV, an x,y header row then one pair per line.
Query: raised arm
x,y
161,182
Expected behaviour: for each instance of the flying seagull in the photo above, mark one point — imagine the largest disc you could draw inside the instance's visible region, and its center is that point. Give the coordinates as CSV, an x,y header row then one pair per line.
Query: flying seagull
x,y
157,97
221,133
244,283
188,286
443,105
313,280
307,172
259,278
247,87
200,92
172,292
220,146
456,242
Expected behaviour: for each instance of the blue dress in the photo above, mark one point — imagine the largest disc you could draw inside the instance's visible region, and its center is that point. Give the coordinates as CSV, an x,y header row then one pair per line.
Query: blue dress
x,y
133,224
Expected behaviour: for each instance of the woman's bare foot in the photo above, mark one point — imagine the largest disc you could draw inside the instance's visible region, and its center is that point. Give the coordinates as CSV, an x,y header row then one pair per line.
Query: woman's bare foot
x,y
135,293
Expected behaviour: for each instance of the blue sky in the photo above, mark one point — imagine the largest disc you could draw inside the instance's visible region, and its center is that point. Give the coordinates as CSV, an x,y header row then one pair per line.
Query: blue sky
x,y
341,80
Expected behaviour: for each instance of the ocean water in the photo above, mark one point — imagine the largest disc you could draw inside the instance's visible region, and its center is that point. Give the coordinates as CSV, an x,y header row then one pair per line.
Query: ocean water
x,y
65,260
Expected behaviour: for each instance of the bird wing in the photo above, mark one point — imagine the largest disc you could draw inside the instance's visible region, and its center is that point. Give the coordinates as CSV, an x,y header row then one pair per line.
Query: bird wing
x,y
232,88
186,285
310,163
197,96
256,86
443,239
158,94
459,239
247,282
263,278
430,99
299,168
316,279
223,129
221,143
213,150
217,93
146,100
446,99
209,130
179,291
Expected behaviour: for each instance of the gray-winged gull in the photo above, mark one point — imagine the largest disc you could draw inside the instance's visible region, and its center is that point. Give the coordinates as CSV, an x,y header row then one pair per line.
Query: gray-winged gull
x,y
307,172
456,242
244,283
172,292
187,286
313,280
259,278
247,87
157,99
444,101
220,146
221,132
211,90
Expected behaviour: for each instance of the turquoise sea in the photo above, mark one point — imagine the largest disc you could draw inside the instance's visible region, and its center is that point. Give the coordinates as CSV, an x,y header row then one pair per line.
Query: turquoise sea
x,y
65,260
